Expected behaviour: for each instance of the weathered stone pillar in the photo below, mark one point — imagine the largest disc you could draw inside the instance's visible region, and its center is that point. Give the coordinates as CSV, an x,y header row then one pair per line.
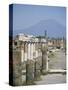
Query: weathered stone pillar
x,y
30,66
34,47
44,68
40,57
31,51
22,53
37,65
25,51
29,72
37,71
17,72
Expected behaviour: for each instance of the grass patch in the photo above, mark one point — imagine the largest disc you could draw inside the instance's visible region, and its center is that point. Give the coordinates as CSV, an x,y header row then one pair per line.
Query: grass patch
x,y
51,55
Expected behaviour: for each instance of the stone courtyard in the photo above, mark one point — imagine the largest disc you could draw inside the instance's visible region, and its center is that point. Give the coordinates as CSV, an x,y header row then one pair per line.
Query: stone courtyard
x,y
34,63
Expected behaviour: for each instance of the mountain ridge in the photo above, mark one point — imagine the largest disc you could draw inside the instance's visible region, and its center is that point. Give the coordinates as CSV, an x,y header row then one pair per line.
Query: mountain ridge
x,y
53,28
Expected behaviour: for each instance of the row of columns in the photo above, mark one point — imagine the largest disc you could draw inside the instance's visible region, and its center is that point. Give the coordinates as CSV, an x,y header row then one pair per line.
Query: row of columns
x,y
30,53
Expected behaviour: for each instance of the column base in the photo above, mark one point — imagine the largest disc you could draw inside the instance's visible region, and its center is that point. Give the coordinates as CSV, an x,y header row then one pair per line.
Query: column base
x,y
44,72
37,75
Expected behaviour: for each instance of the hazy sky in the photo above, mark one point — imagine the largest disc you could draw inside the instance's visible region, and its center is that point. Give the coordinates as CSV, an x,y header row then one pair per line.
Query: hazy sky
x,y
25,16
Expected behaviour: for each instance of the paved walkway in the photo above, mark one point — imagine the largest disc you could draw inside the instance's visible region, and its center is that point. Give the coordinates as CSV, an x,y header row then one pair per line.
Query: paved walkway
x,y
52,79
59,62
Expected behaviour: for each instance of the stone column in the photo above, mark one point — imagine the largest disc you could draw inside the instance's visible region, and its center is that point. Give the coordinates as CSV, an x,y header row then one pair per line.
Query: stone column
x,y
23,59
37,65
22,53
40,57
34,53
31,51
17,76
29,72
44,60
25,51
29,66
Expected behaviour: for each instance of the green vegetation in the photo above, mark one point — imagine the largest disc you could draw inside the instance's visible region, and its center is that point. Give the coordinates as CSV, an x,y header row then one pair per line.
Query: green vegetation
x,y
51,55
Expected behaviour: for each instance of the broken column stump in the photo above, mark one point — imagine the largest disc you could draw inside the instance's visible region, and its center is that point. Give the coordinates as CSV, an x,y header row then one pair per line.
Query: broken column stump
x,y
29,72
44,67
37,73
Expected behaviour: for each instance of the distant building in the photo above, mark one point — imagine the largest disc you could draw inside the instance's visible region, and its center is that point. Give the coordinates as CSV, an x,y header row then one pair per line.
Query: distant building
x,y
56,43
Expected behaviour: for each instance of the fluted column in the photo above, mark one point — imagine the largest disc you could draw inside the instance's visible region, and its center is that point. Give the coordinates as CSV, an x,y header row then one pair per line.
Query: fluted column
x,y
22,53
30,65
34,51
31,51
25,51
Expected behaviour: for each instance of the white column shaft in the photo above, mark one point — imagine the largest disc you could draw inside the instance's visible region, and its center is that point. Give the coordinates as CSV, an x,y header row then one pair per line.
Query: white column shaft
x,y
46,62
29,51
34,50
25,52
22,55
36,53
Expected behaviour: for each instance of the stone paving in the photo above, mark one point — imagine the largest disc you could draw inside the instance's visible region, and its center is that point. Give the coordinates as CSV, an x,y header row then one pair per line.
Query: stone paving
x,y
58,62
52,79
